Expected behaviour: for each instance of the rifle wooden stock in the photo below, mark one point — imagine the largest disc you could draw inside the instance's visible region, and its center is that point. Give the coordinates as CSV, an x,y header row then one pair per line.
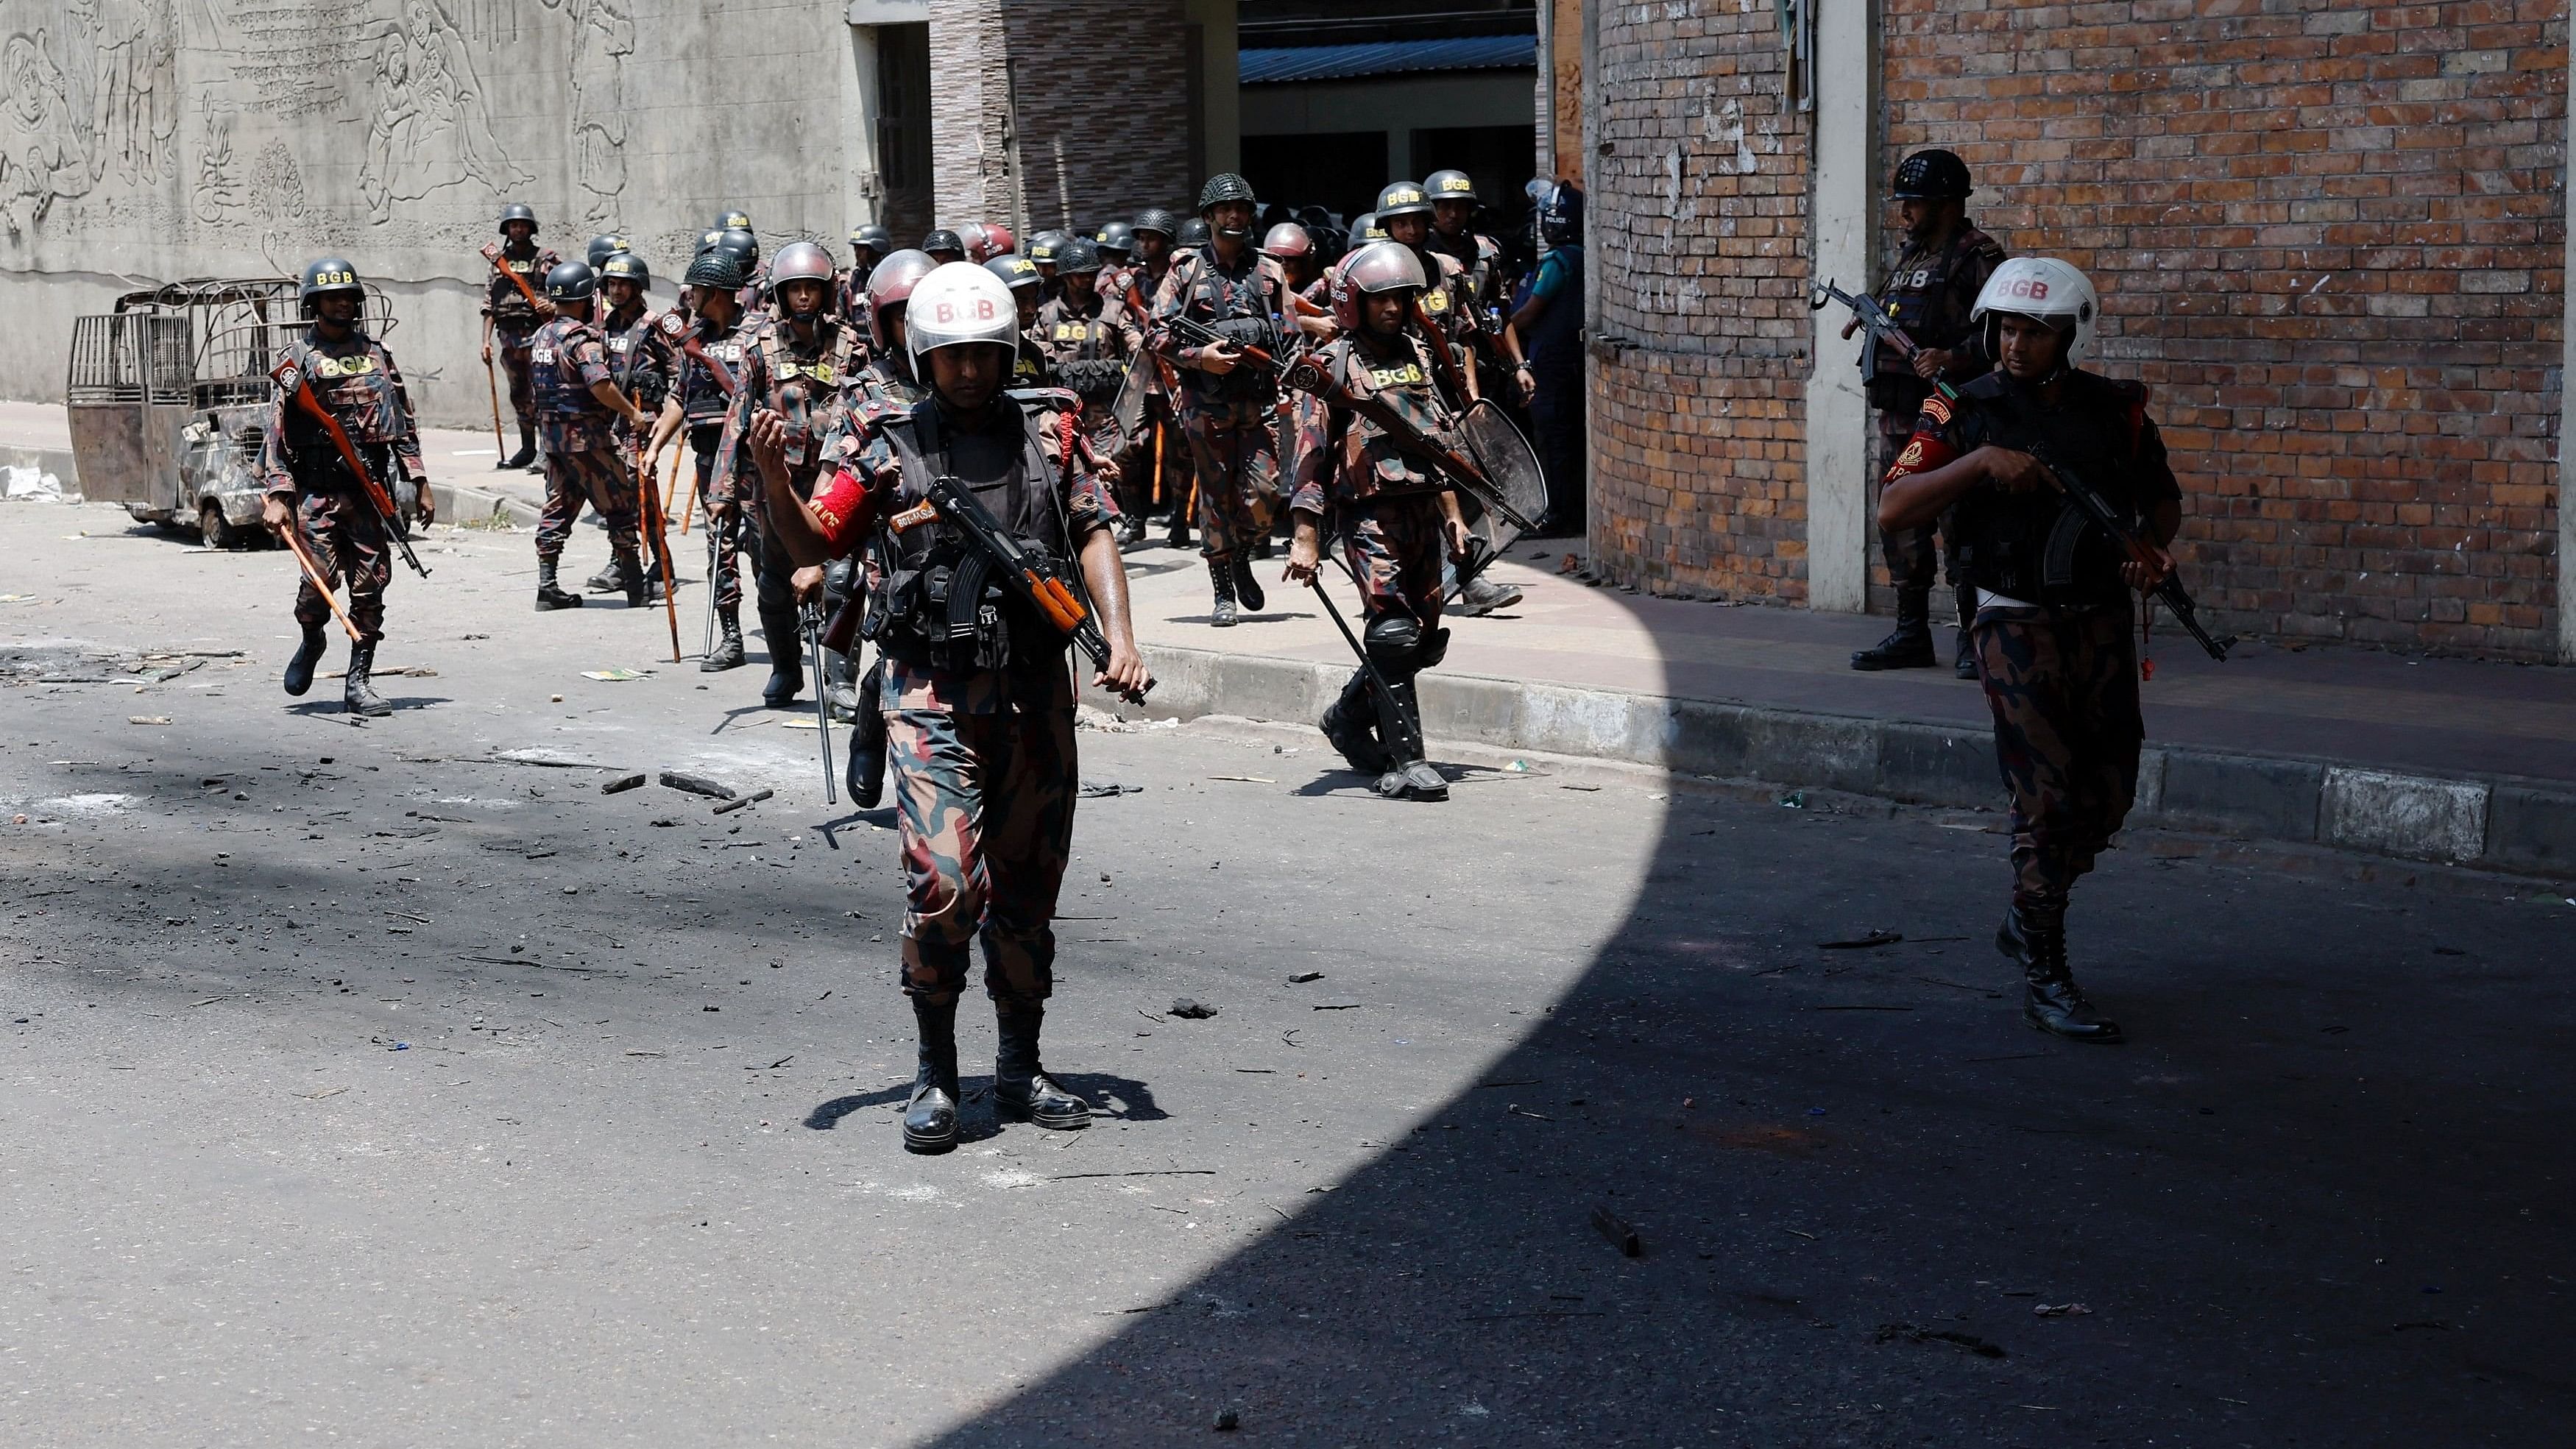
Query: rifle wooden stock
x,y
492,254
492,385
299,392
1438,341
293,534
725,380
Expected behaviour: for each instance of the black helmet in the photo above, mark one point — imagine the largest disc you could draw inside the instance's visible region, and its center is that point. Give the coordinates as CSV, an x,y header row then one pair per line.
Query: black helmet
x,y
1194,233
626,266
744,246
943,240
1077,257
709,241
1225,186
603,246
730,220
1450,186
1046,245
1016,271
571,282
1560,215
1402,198
715,268
1932,176
515,211
871,237
1154,218
330,274
1116,237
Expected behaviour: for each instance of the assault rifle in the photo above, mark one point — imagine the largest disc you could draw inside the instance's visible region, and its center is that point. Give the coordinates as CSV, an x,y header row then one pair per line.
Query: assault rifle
x,y
1874,321
809,618
1461,470
492,254
2063,539
1198,334
290,379
1034,580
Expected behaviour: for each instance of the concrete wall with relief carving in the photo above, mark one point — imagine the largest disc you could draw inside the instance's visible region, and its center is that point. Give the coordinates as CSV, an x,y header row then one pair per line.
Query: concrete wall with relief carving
x,y
144,141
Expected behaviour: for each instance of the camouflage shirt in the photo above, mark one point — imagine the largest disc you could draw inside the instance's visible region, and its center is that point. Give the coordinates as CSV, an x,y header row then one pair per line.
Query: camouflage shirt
x,y
565,358
703,399
799,376
640,355
357,383
1240,301
510,313
1335,455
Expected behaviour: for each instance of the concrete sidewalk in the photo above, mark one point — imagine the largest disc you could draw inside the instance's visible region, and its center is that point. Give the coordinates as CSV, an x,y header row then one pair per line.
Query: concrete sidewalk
x,y
2433,759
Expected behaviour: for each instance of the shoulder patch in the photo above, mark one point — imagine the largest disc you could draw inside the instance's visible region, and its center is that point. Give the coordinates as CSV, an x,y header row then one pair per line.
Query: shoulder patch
x,y
672,324
1937,408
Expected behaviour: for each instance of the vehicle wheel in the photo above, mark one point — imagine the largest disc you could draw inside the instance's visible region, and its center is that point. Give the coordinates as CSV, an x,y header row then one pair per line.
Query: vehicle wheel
x,y
212,528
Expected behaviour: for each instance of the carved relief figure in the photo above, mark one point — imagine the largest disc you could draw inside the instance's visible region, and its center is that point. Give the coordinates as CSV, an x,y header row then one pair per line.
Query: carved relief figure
x,y
430,127
132,82
218,192
44,155
603,36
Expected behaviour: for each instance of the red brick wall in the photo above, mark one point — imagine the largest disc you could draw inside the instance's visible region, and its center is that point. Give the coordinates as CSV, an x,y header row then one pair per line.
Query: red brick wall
x,y
2329,236
1698,195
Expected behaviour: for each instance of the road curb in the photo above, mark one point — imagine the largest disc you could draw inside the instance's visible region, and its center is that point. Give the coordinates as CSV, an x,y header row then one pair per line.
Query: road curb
x,y
2497,823
462,505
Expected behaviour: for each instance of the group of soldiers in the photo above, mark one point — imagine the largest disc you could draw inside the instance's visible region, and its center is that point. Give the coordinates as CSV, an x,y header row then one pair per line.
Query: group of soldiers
x,y
943,450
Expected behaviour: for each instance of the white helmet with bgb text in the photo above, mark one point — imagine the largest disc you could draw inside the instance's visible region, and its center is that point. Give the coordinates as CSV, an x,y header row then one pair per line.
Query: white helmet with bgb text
x,y
2045,290
959,303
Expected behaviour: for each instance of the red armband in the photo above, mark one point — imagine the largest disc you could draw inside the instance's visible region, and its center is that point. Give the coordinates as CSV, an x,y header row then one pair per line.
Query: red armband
x,y
1923,453
845,509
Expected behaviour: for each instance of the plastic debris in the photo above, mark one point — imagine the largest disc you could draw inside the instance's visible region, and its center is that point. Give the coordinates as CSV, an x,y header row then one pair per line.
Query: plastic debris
x,y
1189,1009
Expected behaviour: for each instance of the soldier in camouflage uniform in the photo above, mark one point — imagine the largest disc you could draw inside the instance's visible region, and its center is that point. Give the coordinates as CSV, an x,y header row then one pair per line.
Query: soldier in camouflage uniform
x,y
980,729
1929,294
1225,405
797,366
869,245
1034,367
307,486
1154,462
514,319
579,407
642,361
2052,630
1396,516
698,401
1091,340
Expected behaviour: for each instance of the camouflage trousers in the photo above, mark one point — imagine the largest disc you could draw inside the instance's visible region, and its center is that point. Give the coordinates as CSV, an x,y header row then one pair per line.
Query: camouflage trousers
x,y
1236,465
597,477
512,349
985,805
1395,547
347,541
1141,494
725,536
1911,562
2063,689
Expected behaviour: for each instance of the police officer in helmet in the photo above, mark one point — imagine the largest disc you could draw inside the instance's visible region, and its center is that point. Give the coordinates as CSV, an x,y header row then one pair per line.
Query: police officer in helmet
x,y
2053,597
980,728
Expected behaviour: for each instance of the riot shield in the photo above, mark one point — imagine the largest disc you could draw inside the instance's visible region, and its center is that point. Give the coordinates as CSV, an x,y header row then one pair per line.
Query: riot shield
x,y
1128,411
1506,457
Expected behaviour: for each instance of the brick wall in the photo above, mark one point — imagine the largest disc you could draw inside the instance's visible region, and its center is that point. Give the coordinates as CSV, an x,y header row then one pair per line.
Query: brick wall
x,y
2329,235
1698,196
1089,150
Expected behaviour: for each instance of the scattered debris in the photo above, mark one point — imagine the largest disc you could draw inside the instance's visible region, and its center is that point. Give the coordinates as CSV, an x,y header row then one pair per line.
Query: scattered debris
x,y
147,719
2060,1310
623,783
1862,943
318,1096
754,798
1100,789
1588,789
1245,779
1227,1421
1341,1006
1302,977
1621,1233
614,676
1890,1332
697,785
1189,1009
1515,1109
1139,1172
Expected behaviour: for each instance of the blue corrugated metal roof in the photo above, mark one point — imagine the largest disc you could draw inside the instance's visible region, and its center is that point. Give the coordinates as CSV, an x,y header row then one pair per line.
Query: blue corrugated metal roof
x,y
1270,65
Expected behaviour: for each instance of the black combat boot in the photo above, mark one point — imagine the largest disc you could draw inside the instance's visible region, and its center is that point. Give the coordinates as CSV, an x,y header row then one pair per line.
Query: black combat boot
x,y
1350,723
786,641
642,585
357,695
1965,666
2053,1003
865,774
1179,535
1131,532
930,1118
1910,647
1022,1091
1410,776
728,653
299,670
550,595
839,687
1221,574
1480,596
1414,780
527,450
1246,587
610,580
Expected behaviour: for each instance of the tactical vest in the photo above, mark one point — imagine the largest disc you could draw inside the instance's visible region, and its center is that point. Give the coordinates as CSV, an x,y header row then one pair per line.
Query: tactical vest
x,y
560,393
1923,297
637,363
511,311
940,608
1236,308
1370,462
357,388
703,400
801,382
2040,547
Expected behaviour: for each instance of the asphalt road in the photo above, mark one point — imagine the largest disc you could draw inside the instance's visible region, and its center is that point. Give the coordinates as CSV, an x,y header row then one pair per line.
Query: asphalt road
x,y
381,1084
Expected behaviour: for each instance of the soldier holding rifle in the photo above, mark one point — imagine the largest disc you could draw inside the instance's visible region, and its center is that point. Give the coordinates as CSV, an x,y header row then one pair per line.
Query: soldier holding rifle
x,y
977,700
312,499
2052,582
